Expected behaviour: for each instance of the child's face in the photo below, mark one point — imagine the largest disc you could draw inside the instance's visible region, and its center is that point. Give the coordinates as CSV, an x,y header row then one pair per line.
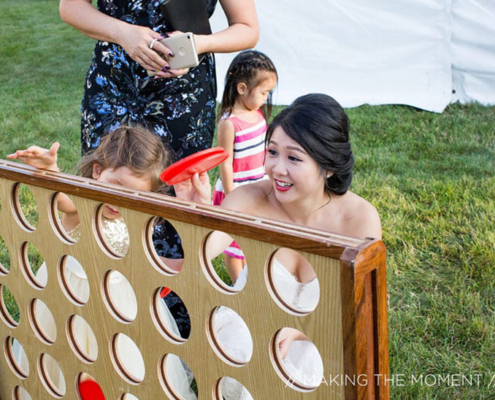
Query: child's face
x,y
255,98
121,176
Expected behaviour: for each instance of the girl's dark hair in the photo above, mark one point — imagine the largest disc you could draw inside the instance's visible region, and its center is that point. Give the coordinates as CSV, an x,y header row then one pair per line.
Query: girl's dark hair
x,y
320,125
245,68
133,147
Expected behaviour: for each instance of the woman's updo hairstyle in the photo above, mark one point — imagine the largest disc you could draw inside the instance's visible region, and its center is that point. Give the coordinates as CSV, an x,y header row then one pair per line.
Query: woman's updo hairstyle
x,y
320,125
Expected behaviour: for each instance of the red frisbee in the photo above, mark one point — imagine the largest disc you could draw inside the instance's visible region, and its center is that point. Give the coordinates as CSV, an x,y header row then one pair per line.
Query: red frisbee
x,y
90,390
198,162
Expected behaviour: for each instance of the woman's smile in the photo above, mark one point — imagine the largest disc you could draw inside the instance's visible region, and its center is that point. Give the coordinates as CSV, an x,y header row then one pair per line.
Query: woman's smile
x,y
282,186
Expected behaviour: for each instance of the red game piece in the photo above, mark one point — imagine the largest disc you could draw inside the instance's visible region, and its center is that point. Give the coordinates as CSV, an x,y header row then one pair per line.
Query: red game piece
x,y
165,292
198,162
90,390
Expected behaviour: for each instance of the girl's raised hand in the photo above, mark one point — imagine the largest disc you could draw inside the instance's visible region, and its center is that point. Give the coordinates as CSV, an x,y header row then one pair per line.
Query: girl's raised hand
x,y
38,157
196,189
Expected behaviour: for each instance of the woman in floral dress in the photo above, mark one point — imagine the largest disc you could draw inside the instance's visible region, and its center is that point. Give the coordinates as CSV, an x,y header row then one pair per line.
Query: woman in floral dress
x,y
178,105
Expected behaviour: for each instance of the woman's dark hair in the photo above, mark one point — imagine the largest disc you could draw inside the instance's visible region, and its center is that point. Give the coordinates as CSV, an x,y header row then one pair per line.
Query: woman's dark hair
x,y
245,68
133,147
320,125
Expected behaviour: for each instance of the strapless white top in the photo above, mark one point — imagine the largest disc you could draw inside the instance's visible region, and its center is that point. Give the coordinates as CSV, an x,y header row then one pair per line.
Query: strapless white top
x,y
302,296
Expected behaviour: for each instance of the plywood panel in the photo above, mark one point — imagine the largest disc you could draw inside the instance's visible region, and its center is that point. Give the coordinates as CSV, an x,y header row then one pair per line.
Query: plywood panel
x,y
258,239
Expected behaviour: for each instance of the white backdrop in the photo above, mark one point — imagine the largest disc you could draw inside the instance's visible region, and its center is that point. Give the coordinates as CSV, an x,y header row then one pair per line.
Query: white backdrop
x,y
414,52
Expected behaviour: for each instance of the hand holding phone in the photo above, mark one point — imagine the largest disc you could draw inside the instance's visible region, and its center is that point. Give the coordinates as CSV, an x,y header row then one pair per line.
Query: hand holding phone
x,y
183,49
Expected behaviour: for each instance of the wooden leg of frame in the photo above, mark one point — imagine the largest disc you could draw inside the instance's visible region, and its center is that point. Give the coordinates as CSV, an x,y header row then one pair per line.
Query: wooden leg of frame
x,y
381,338
364,321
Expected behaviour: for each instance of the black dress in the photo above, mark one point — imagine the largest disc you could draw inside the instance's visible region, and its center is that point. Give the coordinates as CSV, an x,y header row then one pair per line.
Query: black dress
x,y
118,91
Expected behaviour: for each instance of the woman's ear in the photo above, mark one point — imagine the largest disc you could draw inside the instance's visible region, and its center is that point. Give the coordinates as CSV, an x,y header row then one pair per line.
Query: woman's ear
x,y
241,88
96,171
328,174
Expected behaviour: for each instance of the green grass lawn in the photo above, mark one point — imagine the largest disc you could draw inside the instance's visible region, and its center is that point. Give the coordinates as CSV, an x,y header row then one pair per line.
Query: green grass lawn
x,y
431,177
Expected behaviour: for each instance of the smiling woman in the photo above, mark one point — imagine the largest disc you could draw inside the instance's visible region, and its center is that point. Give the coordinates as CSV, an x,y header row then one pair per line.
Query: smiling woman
x,y
309,162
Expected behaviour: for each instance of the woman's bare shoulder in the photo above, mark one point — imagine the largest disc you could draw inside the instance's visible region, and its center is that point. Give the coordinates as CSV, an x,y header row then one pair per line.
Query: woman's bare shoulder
x,y
248,198
361,217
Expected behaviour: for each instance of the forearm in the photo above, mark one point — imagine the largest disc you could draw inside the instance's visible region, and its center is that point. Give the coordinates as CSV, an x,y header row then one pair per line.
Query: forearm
x,y
227,176
91,22
136,40
217,242
242,33
235,38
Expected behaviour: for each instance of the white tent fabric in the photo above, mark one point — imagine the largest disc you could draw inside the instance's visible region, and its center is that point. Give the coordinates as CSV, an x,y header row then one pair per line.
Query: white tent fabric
x,y
413,52
473,50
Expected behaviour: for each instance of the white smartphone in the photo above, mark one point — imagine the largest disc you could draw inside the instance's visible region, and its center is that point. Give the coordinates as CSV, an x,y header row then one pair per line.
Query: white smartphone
x,y
184,49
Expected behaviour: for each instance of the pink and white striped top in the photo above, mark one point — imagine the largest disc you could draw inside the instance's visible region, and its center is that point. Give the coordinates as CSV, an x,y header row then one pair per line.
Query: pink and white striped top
x,y
249,154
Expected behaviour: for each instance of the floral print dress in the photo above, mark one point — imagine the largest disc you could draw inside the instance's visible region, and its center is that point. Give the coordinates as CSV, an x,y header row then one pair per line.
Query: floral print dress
x,y
119,91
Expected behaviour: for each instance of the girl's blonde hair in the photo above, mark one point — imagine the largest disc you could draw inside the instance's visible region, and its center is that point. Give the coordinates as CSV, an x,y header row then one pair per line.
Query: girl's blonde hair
x,y
133,147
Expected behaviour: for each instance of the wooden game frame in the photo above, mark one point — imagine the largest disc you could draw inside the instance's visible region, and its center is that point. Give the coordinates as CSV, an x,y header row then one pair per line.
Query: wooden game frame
x,y
356,272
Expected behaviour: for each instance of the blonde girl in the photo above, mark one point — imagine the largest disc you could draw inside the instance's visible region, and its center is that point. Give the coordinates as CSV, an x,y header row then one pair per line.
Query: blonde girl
x,y
133,158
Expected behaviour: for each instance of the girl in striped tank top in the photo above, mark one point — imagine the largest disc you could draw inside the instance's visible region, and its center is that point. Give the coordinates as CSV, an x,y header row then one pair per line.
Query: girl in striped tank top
x,y
246,105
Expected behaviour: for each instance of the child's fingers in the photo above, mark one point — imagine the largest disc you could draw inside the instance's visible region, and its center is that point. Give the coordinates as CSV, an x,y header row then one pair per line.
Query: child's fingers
x,y
22,154
197,184
25,154
203,177
17,154
53,150
15,157
33,150
201,184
